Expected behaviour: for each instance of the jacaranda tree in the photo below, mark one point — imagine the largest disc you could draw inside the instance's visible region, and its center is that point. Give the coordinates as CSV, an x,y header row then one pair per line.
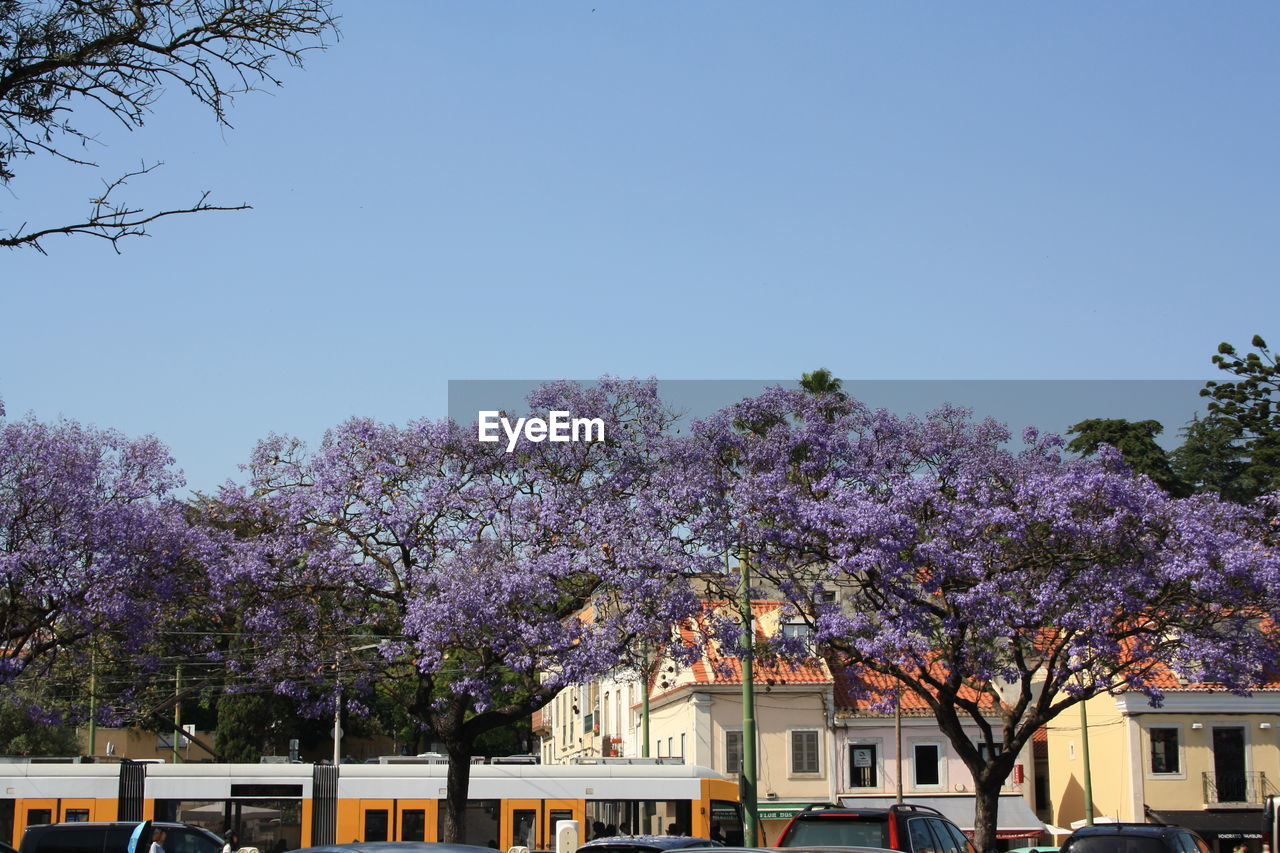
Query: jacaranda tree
x,y
484,580
91,545
926,550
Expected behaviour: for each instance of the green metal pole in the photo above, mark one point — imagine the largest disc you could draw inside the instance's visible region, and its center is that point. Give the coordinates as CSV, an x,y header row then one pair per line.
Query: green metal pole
x,y
93,702
1088,773
747,787
644,700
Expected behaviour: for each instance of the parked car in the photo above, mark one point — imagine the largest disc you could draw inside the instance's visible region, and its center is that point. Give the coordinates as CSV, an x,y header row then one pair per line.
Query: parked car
x,y
902,826
646,843
1134,838
113,837
831,848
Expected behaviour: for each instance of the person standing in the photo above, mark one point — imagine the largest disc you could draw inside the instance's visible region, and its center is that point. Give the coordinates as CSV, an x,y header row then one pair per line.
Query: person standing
x,y
157,840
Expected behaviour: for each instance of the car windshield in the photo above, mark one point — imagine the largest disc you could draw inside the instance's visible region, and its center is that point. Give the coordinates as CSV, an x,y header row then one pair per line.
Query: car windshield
x,y
1116,844
845,831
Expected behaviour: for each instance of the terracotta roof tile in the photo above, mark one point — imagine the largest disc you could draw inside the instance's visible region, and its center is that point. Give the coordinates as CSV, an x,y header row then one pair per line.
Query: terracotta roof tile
x,y
858,690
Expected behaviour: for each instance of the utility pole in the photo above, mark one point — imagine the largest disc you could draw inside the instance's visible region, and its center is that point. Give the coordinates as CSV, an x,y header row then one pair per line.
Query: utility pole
x,y
747,787
177,715
897,735
93,701
1088,773
645,673
337,711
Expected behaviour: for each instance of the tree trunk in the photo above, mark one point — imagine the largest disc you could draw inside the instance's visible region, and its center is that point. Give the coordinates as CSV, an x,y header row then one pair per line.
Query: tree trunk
x,y
455,824
986,806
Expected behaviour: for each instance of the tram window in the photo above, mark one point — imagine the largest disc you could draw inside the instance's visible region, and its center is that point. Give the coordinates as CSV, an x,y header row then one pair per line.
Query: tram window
x,y
555,817
641,817
39,816
7,809
76,816
525,827
375,825
413,825
480,819
726,822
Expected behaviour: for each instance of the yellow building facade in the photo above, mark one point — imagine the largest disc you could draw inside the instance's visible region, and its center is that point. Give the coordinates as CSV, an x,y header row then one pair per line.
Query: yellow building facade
x,y
1205,759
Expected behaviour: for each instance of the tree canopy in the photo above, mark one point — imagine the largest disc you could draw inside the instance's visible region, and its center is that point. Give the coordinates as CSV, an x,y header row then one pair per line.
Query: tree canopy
x,y
1250,406
485,580
975,576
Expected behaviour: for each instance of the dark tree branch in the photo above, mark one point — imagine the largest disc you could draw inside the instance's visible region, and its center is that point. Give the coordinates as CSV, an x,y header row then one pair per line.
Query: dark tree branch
x,y
65,58
110,220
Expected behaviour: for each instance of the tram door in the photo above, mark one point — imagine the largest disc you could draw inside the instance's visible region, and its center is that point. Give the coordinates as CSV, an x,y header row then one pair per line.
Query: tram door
x,y
532,823
377,820
36,812
412,818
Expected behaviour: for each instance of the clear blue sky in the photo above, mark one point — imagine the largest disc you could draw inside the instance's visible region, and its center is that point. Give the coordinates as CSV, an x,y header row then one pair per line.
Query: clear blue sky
x,y
682,189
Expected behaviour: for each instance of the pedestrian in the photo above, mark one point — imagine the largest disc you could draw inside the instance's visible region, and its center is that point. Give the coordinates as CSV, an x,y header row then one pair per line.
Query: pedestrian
x,y
233,841
157,840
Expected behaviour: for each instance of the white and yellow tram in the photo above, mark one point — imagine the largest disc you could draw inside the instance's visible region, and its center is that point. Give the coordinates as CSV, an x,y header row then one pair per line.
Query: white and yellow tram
x,y
285,806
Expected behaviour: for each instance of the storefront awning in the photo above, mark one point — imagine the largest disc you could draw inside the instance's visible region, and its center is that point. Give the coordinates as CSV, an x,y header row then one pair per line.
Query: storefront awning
x,y
780,811
1013,820
1228,824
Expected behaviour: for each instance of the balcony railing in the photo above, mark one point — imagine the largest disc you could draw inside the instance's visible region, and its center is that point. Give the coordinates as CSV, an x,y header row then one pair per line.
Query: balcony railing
x,y
1236,789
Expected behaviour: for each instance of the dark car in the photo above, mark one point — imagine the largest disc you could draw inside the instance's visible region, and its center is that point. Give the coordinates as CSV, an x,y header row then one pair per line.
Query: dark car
x,y
646,843
113,837
5,848
902,826
396,847
830,848
1134,838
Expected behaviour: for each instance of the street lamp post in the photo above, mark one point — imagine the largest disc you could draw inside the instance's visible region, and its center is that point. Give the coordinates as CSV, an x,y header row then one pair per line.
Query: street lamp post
x,y
337,700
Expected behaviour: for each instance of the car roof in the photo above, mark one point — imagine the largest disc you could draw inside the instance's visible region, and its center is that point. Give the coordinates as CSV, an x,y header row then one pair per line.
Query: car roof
x,y
163,824
395,847
652,842
829,810
1150,829
828,848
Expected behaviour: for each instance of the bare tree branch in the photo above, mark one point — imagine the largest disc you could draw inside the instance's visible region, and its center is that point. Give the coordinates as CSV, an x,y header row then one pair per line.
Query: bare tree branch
x,y
110,220
63,59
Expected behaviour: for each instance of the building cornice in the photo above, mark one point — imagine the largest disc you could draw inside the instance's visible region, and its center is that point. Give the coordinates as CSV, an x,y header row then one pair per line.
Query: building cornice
x,y
1201,702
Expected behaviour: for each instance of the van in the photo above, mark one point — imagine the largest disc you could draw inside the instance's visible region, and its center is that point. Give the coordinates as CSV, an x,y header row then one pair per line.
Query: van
x,y
113,837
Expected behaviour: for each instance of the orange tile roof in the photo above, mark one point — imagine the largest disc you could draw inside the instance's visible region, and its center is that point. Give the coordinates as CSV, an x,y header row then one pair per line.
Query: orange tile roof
x,y
714,666
1166,680
858,690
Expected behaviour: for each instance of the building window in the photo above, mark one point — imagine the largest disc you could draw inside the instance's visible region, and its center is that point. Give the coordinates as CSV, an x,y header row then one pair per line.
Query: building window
x,y
1164,750
862,766
804,752
733,751
927,760
988,753
799,634
682,745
